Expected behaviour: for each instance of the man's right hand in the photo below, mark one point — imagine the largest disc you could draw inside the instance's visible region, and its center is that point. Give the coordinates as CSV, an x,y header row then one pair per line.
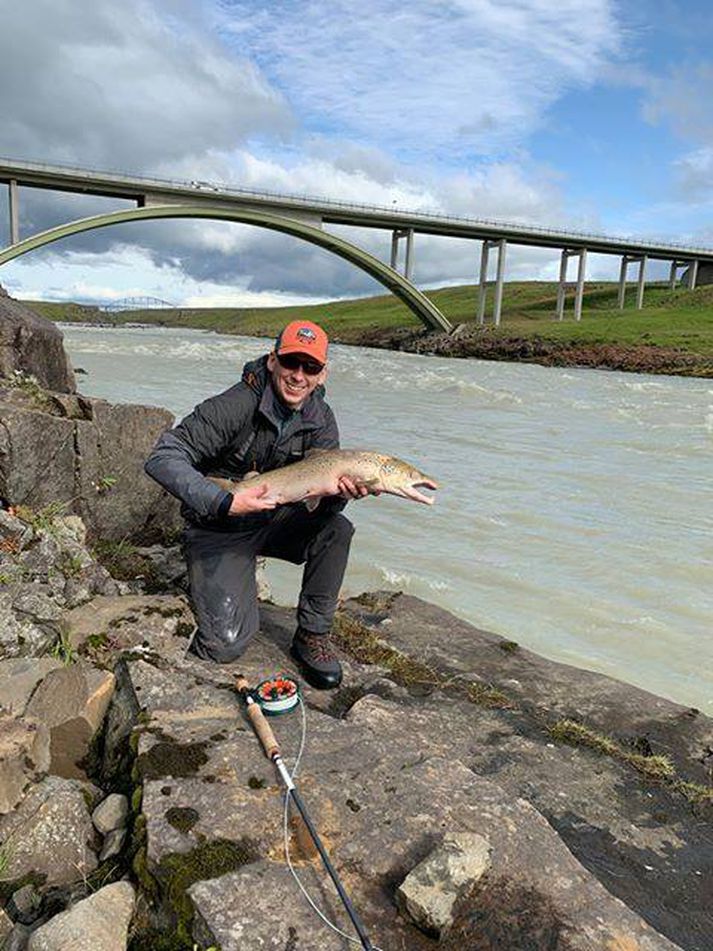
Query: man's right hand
x,y
251,500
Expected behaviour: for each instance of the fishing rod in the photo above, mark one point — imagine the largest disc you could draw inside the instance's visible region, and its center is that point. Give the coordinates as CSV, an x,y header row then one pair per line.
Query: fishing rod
x,y
264,733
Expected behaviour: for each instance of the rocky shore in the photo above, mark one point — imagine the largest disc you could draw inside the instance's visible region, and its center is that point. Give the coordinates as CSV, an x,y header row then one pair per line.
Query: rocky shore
x,y
481,342
471,794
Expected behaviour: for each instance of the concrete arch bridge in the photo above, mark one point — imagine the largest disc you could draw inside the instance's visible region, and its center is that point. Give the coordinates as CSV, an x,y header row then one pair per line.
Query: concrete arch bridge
x,y
305,218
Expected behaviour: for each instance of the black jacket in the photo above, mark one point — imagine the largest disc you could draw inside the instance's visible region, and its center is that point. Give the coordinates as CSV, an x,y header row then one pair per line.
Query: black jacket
x,y
239,431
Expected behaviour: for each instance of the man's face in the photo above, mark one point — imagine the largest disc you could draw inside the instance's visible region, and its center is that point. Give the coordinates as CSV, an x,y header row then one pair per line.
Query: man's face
x,y
294,385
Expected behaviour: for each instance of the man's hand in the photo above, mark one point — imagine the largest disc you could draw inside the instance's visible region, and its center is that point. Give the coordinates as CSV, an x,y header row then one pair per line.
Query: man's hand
x,y
251,500
350,490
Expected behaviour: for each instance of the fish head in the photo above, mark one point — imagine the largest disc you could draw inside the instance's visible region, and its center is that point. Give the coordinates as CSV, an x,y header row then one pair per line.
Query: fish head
x,y
401,478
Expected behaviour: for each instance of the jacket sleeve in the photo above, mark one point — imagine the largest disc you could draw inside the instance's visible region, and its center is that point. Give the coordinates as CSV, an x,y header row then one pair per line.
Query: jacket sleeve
x,y
178,458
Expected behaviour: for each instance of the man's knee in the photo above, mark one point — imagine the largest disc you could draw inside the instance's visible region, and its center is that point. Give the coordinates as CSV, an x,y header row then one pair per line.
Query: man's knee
x,y
337,533
222,647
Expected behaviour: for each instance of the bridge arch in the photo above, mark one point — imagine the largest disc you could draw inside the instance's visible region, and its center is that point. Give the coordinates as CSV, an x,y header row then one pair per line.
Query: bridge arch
x,y
417,302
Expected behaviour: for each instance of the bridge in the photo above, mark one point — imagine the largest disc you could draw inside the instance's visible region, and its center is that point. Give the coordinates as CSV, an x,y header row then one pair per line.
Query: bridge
x,y
137,303
305,217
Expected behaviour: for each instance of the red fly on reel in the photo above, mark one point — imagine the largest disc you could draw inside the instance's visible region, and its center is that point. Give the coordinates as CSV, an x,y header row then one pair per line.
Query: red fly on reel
x,y
277,695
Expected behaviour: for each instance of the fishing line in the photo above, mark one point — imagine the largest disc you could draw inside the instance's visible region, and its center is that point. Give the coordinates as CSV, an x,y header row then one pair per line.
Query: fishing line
x,y
271,747
286,834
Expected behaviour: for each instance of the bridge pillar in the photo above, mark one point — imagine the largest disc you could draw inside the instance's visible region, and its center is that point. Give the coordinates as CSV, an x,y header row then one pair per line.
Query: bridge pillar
x,y
483,282
694,275
501,245
568,253
622,280
500,277
408,263
673,275
581,270
561,287
641,282
14,212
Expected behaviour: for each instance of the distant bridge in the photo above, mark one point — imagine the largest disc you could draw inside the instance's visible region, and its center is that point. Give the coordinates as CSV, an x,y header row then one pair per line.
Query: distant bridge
x,y
305,218
137,303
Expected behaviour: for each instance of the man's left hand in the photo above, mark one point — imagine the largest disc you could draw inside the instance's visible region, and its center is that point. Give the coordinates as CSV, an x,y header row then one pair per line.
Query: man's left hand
x,y
350,490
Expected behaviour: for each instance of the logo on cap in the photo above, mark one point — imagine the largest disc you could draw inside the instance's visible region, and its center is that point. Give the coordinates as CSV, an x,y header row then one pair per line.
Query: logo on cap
x,y
306,335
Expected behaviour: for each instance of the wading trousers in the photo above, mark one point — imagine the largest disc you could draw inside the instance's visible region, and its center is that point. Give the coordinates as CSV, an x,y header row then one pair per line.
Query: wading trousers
x,y
221,571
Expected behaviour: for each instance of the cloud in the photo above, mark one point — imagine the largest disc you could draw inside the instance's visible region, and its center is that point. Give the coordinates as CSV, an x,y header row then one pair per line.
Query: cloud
x,y
125,86
445,80
374,104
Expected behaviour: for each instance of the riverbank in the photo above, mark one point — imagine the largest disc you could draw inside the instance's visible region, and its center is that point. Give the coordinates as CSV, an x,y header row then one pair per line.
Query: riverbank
x,y
672,334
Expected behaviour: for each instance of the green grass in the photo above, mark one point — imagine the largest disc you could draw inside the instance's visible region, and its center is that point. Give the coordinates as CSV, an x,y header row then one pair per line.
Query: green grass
x,y
679,319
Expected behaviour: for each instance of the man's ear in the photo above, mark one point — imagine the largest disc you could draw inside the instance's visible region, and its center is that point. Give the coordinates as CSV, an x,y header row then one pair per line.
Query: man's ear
x,y
271,360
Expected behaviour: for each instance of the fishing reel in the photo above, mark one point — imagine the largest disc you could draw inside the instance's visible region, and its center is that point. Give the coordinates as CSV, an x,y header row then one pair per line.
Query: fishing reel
x,y
277,695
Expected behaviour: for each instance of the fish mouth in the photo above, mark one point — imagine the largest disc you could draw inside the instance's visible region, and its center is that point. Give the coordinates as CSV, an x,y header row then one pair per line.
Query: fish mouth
x,y
411,491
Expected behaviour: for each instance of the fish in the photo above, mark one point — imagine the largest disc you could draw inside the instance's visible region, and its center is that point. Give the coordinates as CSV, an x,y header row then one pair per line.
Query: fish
x,y
318,475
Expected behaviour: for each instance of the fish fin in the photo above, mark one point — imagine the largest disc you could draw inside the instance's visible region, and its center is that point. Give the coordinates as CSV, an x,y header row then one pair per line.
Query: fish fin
x,y
315,452
370,483
311,504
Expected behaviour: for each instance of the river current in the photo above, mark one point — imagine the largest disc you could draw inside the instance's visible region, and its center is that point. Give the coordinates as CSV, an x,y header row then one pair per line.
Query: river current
x,y
576,510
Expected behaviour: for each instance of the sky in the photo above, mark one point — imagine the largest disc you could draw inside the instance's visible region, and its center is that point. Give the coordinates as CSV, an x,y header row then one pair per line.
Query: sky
x,y
592,115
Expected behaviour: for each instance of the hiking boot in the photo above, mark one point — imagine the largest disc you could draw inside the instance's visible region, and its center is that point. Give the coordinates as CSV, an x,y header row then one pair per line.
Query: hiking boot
x,y
317,661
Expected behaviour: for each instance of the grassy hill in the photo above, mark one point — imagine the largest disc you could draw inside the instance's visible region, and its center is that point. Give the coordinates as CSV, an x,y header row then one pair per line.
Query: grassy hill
x,y
675,322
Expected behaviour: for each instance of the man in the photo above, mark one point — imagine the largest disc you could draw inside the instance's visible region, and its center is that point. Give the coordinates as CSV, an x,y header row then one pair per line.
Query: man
x,y
267,420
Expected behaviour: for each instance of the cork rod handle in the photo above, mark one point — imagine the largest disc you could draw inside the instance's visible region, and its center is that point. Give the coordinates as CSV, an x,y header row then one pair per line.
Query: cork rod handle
x,y
262,728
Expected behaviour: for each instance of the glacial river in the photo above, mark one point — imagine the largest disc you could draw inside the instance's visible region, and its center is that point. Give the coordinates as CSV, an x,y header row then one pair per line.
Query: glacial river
x,y
576,509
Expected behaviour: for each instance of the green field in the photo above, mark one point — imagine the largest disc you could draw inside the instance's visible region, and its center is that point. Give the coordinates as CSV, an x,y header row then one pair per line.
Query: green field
x,y
679,320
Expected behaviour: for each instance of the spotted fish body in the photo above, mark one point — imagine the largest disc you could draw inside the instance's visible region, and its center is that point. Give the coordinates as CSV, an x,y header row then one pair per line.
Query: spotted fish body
x,y
318,475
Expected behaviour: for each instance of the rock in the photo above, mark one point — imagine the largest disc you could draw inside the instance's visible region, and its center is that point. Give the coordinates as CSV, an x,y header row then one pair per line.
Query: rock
x,y
91,459
20,635
13,533
32,345
5,927
98,923
168,566
50,834
111,813
24,755
19,678
17,939
159,623
25,904
429,892
71,703
112,844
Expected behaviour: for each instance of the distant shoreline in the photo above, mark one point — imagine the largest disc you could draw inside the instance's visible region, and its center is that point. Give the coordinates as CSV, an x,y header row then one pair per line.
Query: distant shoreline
x,y
672,334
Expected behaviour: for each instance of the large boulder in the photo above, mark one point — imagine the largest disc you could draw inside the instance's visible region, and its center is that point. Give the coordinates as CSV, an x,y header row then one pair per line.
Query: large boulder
x,y
87,455
32,345
98,923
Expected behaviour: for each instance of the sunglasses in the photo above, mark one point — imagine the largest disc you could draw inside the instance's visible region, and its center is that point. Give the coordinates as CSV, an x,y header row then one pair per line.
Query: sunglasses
x,y
292,361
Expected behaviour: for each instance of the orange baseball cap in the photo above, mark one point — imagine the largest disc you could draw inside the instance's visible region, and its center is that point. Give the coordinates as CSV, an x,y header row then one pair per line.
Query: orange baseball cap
x,y
302,336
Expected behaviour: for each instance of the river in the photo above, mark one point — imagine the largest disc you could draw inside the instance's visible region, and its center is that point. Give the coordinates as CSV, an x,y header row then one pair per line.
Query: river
x,y
575,514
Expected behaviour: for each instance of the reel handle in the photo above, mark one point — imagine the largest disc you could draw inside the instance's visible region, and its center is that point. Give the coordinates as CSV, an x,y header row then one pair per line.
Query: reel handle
x,y
262,728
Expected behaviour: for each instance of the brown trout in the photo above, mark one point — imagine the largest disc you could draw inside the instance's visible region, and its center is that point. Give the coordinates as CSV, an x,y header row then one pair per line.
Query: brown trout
x,y
318,475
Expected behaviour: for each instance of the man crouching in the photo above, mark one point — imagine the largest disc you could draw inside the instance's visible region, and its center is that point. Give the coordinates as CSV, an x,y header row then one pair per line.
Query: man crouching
x,y
269,419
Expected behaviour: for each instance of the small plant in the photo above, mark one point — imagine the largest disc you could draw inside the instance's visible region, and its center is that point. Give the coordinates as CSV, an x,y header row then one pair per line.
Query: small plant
x,y
44,519
28,384
103,485
70,565
63,650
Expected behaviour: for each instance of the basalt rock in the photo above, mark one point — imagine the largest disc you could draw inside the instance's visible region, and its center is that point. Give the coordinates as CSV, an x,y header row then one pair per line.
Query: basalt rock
x,y
32,345
49,838
24,756
88,455
98,923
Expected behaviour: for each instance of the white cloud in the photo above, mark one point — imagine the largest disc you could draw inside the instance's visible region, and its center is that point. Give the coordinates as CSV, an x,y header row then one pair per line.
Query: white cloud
x,y
446,79
124,85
